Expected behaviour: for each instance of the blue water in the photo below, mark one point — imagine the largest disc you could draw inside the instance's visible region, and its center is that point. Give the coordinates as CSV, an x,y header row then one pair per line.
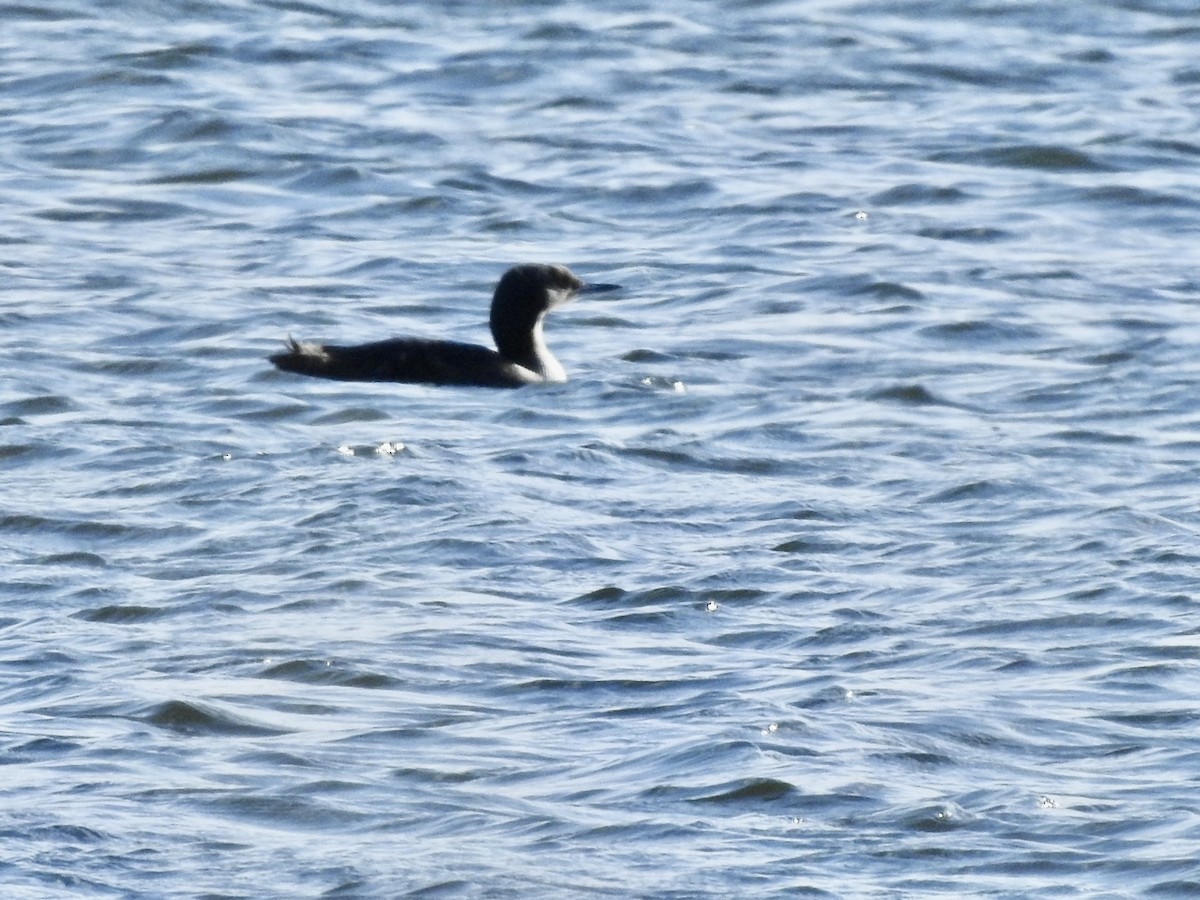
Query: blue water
x,y
858,558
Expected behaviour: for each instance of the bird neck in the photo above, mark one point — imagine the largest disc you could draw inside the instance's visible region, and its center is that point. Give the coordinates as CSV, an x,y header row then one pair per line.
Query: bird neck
x,y
522,342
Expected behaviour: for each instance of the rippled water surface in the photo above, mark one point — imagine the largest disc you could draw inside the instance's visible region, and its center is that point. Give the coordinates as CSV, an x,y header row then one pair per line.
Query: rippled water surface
x,y
857,559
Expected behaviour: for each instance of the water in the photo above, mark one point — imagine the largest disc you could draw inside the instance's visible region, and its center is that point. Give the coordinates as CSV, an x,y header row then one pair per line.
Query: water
x,y
857,559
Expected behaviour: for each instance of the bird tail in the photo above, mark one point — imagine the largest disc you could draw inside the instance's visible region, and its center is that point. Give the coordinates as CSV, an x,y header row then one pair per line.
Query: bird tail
x,y
303,358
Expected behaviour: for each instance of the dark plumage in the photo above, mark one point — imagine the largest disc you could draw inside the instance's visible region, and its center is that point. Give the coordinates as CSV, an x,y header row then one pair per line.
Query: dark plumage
x,y
523,297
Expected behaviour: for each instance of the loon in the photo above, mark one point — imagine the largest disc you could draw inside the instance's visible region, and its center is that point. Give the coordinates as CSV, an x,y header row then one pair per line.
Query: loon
x,y
523,297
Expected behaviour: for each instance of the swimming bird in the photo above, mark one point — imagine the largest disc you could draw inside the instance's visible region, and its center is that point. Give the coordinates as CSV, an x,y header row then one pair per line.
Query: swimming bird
x,y
523,297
